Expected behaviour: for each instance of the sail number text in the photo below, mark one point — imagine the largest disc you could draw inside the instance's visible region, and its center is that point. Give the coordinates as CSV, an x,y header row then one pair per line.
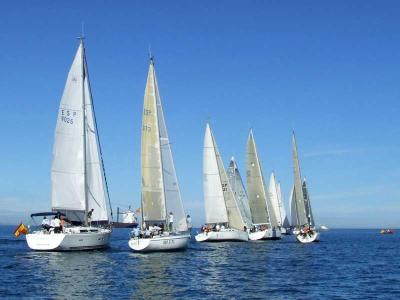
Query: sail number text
x,y
67,116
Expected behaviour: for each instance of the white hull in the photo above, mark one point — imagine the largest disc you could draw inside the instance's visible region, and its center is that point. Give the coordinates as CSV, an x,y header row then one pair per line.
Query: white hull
x,y
309,237
74,238
267,234
222,235
284,231
160,243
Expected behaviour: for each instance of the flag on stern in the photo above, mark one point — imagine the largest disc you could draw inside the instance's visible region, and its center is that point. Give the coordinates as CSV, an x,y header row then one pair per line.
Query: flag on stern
x,y
21,229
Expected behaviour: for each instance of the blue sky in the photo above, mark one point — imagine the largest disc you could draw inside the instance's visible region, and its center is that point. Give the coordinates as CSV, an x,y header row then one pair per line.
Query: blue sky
x,y
330,70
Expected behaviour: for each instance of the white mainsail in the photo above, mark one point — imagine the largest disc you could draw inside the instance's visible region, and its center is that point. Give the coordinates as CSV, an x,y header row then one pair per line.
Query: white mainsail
x,y
220,203
274,196
302,218
160,189
260,205
239,191
78,179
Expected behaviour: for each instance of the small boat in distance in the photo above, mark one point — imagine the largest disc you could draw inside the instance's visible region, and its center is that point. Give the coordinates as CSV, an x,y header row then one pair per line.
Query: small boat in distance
x,y
386,231
265,225
224,221
306,231
79,196
323,227
128,219
164,226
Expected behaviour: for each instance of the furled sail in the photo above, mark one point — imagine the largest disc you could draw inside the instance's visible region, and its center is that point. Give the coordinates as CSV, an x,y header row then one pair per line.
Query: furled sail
x,y
239,191
260,205
160,189
298,187
73,166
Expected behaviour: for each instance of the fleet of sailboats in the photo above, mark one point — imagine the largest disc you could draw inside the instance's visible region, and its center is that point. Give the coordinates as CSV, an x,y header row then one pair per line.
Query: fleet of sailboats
x,y
233,211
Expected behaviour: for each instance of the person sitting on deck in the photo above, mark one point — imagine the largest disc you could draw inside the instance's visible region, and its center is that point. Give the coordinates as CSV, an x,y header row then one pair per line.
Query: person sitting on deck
x,y
57,225
46,224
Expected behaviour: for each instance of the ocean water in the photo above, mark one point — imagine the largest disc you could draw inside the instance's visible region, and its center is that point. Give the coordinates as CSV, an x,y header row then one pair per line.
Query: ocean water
x,y
346,264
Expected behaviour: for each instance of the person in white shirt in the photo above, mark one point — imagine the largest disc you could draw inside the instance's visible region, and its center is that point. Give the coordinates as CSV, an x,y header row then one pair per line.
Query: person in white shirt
x,y
171,221
46,223
57,225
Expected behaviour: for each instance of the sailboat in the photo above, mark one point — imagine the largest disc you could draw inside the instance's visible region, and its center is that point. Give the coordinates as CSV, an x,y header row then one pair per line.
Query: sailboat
x,y
262,212
160,194
276,200
224,220
304,217
239,191
79,186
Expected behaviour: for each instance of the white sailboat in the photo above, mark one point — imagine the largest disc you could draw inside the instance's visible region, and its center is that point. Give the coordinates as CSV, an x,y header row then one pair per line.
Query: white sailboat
x,y
262,212
304,217
293,212
160,190
78,179
276,200
223,216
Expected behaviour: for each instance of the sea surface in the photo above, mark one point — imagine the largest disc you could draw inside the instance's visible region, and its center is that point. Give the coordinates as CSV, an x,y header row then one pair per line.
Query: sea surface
x,y
345,264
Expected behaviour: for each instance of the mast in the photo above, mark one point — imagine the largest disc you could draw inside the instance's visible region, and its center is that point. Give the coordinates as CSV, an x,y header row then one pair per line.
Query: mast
x,y
84,129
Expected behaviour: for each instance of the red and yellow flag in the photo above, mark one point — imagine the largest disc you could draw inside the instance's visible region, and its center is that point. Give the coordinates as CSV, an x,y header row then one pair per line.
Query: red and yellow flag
x,y
21,229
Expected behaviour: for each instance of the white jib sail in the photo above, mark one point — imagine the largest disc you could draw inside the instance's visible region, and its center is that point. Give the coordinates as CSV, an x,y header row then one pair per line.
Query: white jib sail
x,y
95,176
215,208
172,193
239,191
274,197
